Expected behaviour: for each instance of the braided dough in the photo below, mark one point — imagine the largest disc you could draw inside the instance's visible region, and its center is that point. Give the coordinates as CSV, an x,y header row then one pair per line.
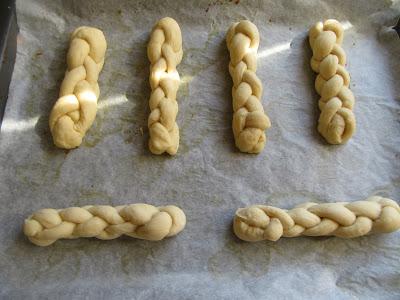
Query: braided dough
x,y
104,222
249,120
75,109
336,122
341,219
165,53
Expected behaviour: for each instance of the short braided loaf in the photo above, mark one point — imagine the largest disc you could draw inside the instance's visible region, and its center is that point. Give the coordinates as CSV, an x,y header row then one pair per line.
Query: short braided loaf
x,y
341,219
249,120
76,107
165,53
104,222
337,122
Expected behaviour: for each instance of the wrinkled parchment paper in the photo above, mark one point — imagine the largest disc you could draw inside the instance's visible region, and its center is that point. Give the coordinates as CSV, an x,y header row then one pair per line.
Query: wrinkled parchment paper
x,y
208,177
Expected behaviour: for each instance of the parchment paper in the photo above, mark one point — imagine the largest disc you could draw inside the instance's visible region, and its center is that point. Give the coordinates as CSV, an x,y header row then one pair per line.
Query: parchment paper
x,y
208,177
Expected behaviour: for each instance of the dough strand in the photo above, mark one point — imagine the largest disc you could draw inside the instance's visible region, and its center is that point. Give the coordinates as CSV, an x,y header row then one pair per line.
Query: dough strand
x,y
336,122
249,120
142,221
342,219
76,107
165,53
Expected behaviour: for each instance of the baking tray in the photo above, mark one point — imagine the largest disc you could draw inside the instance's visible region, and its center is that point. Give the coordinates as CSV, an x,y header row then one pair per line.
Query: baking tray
x,y
208,178
8,49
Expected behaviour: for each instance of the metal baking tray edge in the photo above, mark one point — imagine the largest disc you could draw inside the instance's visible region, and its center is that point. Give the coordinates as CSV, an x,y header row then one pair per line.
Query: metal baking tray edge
x,y
8,48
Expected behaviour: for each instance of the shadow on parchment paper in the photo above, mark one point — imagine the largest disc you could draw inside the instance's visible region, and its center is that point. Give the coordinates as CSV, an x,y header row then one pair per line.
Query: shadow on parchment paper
x,y
49,98
226,135
66,259
239,257
141,69
32,263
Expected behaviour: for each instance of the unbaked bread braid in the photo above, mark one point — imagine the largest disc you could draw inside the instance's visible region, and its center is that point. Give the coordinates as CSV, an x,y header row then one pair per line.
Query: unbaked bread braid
x,y
336,122
75,109
104,222
249,120
165,53
347,220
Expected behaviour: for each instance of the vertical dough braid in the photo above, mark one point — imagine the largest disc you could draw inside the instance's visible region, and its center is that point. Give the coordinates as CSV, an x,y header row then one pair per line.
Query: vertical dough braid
x,y
249,120
342,219
337,122
75,109
165,53
104,222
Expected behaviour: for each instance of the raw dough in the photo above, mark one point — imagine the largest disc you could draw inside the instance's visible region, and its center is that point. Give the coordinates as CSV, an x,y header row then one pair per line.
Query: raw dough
x,y
165,53
104,222
249,120
75,109
341,219
337,122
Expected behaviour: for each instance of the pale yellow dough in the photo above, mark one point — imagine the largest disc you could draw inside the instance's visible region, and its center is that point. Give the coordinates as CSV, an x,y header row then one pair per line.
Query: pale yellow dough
x,y
75,109
249,120
104,222
165,53
337,122
347,220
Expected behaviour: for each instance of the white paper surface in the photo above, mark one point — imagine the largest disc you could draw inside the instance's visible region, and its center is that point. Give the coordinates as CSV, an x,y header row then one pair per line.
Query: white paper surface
x,y
208,178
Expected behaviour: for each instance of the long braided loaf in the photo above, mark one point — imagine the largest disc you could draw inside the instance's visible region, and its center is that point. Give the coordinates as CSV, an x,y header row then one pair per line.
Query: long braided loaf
x,y
341,219
337,122
249,120
165,53
75,109
141,221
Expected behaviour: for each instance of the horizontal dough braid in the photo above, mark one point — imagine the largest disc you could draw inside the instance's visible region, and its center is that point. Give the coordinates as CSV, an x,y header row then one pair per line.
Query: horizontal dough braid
x,y
104,222
249,120
336,122
341,219
75,109
165,53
